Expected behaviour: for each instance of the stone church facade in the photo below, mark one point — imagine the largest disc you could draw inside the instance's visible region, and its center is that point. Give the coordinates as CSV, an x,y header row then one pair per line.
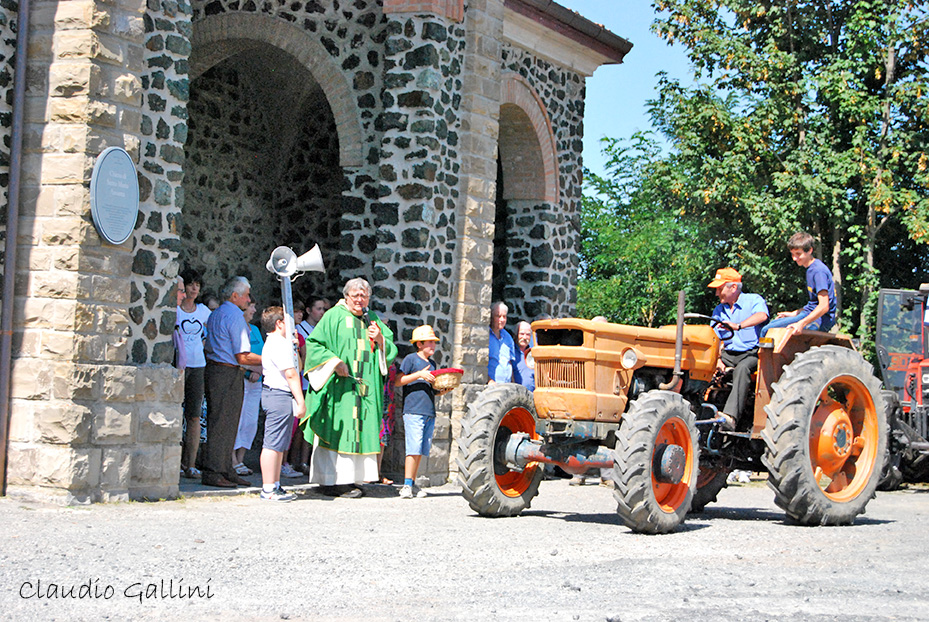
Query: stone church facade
x,y
430,146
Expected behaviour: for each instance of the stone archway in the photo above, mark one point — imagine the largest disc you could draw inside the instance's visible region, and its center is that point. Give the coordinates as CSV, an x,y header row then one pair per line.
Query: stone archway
x,y
265,156
222,36
527,190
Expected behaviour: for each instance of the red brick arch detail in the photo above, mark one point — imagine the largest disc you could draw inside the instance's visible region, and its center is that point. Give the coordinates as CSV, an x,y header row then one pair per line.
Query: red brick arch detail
x,y
518,92
218,37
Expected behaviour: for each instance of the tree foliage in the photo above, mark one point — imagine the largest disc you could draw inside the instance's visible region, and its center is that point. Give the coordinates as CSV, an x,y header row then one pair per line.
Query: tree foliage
x,y
804,115
637,250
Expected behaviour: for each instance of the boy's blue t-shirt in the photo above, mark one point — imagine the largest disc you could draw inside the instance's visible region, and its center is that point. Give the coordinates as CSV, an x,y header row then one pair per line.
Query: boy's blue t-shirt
x,y
418,396
819,278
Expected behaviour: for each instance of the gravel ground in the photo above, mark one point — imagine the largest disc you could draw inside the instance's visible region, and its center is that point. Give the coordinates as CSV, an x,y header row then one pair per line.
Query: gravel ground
x,y
386,558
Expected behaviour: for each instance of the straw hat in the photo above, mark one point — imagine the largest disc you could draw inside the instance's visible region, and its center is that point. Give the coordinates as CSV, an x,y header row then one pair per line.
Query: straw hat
x,y
423,333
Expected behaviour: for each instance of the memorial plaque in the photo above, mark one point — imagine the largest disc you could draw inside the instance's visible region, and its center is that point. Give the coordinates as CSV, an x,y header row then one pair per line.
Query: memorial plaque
x,y
114,195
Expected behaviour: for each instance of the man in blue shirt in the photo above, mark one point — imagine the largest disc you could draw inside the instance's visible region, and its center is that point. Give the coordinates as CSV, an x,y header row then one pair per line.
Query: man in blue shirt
x,y
502,360
743,314
227,349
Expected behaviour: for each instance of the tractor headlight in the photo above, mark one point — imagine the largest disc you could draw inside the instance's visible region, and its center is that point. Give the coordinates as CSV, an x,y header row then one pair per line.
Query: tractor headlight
x,y
926,385
630,358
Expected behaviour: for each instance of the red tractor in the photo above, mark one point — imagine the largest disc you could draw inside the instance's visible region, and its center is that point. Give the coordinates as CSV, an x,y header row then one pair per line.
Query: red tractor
x,y
902,341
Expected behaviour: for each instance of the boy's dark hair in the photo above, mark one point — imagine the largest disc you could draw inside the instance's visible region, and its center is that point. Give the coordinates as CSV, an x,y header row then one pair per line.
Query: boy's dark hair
x,y
270,317
801,240
191,276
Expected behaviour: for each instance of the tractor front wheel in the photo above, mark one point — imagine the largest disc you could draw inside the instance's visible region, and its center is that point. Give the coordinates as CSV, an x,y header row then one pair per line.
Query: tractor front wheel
x,y
825,436
490,487
657,460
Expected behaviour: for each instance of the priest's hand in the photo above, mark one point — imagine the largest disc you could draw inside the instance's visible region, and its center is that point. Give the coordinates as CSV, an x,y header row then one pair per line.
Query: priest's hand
x,y
375,335
342,369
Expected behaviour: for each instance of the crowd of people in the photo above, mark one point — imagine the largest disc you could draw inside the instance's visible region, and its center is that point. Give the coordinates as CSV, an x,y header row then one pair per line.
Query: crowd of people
x,y
330,396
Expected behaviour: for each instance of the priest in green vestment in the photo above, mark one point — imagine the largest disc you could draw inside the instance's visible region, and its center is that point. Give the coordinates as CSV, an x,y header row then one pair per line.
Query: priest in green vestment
x,y
347,356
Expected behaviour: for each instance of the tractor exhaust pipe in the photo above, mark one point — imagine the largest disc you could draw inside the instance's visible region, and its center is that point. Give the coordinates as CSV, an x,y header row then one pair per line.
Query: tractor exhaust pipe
x,y
674,384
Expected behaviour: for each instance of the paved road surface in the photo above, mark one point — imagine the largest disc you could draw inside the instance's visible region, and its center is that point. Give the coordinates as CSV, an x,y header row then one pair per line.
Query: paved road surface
x,y
386,558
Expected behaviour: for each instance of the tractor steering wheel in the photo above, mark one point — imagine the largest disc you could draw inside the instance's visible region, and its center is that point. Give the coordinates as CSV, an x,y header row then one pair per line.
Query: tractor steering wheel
x,y
724,331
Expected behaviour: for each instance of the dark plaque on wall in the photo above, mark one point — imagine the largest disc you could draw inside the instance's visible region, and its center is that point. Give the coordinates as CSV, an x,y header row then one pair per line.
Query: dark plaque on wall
x,y
114,195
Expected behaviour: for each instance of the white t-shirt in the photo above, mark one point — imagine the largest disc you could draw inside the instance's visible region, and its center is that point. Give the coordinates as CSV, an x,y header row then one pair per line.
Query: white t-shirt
x,y
276,356
192,328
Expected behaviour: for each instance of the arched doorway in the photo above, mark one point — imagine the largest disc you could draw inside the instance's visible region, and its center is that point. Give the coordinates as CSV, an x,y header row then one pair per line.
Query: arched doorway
x,y
259,174
265,153
527,192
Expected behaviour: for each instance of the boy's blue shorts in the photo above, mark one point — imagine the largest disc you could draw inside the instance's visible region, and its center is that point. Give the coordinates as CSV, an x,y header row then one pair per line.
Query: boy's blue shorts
x,y
418,430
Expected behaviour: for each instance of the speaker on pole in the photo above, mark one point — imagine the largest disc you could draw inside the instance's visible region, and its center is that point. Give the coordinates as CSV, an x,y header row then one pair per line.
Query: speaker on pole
x,y
311,261
283,262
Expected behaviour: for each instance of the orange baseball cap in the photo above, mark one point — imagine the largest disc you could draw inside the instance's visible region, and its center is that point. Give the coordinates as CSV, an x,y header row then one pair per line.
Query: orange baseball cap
x,y
725,275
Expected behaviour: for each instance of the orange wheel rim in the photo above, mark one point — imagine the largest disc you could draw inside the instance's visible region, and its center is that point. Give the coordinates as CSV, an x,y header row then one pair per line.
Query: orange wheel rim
x,y
514,483
843,439
671,496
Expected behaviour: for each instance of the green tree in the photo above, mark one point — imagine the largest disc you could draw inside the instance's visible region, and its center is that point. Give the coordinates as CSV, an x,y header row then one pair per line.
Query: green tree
x,y
806,115
637,251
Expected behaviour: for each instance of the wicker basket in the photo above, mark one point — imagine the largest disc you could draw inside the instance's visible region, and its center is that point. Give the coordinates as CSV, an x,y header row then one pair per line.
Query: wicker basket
x,y
447,378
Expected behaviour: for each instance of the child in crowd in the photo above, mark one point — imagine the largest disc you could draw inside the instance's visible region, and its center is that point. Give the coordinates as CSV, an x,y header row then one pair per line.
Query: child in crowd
x,y
281,399
820,312
418,405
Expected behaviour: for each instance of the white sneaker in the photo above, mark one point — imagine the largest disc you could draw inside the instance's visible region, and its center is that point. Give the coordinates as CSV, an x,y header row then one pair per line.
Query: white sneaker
x,y
289,471
418,492
406,492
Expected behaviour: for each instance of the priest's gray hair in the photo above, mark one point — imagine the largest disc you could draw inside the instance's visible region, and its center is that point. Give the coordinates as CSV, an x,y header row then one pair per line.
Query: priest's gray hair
x,y
356,284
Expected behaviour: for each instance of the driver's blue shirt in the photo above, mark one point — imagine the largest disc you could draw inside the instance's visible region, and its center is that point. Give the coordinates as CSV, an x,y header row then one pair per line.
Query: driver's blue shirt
x,y
746,306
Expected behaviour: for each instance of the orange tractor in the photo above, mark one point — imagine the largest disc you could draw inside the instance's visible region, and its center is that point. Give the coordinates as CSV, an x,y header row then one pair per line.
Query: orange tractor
x,y
644,402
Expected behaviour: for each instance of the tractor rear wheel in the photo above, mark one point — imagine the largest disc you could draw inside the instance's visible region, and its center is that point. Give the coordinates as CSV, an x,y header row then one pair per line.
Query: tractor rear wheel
x,y
825,436
491,488
656,458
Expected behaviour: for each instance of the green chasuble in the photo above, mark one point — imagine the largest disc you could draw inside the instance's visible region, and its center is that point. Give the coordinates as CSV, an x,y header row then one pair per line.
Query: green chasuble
x,y
345,416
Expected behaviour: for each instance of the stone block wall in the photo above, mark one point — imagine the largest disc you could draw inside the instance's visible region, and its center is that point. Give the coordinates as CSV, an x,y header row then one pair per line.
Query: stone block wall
x,y
85,425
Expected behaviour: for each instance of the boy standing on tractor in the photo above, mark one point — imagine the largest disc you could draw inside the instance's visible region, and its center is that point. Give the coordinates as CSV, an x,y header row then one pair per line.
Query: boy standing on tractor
x,y
820,312
742,314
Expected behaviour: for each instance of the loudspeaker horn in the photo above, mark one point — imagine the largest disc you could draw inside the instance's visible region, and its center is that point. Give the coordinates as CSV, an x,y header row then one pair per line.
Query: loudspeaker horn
x,y
283,262
311,261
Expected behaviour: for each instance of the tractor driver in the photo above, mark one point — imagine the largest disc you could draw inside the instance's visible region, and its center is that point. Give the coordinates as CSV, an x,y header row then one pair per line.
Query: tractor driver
x,y
743,314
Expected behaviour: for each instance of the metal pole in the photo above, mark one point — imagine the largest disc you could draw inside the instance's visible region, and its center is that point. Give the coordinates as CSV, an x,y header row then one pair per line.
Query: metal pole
x,y
288,300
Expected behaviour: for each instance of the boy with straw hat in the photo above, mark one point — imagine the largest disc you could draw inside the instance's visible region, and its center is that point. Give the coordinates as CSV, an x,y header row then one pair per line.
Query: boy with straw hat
x,y
418,405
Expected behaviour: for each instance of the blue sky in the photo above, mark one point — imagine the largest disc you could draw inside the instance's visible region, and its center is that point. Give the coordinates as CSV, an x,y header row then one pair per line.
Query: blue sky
x,y
616,94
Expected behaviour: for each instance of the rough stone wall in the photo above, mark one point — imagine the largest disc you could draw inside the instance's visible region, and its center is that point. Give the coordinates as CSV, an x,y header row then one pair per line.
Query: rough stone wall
x,y
542,239
8,20
308,199
163,126
419,168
